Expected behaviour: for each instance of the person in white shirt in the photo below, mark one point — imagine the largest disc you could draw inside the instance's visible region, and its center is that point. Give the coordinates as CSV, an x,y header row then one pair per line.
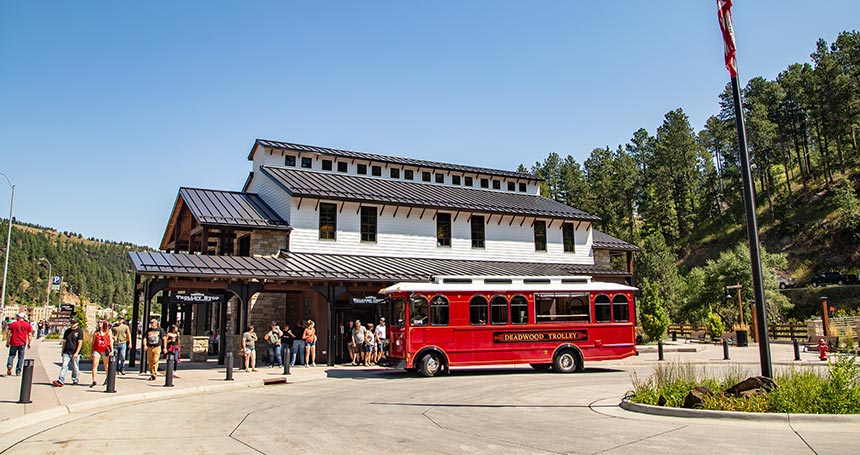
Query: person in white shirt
x,y
382,337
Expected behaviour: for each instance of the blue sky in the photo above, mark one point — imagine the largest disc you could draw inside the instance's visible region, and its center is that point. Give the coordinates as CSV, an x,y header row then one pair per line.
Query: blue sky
x,y
107,108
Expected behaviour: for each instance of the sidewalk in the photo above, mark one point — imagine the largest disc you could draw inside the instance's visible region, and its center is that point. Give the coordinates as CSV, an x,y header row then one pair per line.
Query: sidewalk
x,y
50,402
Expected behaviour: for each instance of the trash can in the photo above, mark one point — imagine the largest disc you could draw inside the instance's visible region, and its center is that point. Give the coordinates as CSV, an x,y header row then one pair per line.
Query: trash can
x,y
742,340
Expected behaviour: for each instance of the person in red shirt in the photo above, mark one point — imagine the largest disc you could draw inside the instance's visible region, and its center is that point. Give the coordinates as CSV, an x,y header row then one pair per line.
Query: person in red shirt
x,y
20,334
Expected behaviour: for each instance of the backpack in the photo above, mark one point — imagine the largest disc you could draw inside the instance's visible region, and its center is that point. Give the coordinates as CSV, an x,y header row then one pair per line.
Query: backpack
x,y
100,342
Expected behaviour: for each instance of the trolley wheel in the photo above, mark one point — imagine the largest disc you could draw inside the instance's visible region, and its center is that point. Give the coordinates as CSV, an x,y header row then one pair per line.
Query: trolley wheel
x,y
430,365
567,361
541,366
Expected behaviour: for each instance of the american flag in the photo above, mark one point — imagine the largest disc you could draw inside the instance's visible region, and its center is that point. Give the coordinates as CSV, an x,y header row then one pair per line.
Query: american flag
x,y
724,12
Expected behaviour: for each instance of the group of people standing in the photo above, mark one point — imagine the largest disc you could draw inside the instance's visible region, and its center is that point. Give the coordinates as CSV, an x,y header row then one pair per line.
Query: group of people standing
x,y
367,344
107,340
302,348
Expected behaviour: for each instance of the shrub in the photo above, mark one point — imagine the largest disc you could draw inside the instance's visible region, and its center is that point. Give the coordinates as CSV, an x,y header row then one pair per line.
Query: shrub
x,y
715,325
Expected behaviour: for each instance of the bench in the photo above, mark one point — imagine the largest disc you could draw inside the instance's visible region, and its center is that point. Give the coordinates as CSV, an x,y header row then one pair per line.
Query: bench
x,y
728,336
812,343
697,336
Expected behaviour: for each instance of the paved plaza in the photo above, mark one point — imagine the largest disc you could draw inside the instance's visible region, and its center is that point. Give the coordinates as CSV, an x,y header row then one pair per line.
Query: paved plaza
x,y
357,410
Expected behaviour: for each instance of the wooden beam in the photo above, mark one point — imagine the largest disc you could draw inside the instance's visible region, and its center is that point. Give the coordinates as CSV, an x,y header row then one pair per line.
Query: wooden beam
x,y
513,218
300,203
422,214
502,217
523,221
358,209
456,215
342,206
409,212
578,223
381,211
396,208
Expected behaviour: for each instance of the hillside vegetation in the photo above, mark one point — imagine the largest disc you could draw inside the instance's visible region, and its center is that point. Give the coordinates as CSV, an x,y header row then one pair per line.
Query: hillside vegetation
x,y
93,270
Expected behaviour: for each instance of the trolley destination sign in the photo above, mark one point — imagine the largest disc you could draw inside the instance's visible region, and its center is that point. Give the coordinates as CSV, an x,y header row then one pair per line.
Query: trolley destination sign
x,y
538,336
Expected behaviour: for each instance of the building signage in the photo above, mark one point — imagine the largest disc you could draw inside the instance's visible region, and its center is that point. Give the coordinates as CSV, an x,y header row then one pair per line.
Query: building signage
x,y
197,297
538,336
67,307
369,300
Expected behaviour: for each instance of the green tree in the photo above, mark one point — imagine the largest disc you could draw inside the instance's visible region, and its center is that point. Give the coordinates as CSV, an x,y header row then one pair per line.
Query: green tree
x,y
653,316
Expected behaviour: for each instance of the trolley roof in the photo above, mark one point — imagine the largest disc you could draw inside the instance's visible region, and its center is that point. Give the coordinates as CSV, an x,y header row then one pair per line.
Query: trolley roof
x,y
508,284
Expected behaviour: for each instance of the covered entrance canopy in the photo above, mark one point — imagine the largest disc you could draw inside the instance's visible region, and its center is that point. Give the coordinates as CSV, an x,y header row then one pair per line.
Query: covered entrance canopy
x,y
329,275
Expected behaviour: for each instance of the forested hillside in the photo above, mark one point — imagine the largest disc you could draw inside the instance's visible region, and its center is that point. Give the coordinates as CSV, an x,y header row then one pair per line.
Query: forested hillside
x,y
93,269
677,191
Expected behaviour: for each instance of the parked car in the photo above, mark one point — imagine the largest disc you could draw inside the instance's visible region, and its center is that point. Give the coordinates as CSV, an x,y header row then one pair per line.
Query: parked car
x,y
787,282
825,278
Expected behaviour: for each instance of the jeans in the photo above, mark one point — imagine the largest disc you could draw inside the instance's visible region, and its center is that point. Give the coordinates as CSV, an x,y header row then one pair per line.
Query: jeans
x,y
274,354
120,350
73,359
19,350
298,348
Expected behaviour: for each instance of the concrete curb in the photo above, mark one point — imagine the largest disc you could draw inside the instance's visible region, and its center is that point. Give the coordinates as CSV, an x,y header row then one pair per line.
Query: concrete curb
x,y
732,415
60,411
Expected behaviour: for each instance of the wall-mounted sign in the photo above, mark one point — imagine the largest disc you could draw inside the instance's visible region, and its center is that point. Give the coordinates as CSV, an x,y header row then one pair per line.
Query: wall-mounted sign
x,y
539,336
369,300
67,307
197,297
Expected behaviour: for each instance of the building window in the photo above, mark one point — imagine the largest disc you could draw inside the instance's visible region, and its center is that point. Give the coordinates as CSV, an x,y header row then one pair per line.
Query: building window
x,y
557,307
468,181
602,309
522,187
307,163
326,165
620,309
342,167
499,310
511,186
418,310
443,229
290,160
440,178
368,224
394,173
519,310
376,171
478,310
328,221
425,176
477,231
455,179
497,184
408,174
567,237
361,169
485,183
540,235
439,311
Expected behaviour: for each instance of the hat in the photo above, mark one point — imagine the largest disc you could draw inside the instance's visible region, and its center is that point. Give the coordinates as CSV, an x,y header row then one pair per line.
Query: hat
x,y
382,319
21,315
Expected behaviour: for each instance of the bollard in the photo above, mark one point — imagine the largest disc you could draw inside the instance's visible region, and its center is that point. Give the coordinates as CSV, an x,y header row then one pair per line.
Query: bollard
x,y
660,350
26,381
725,349
111,375
674,335
286,356
168,376
796,349
229,361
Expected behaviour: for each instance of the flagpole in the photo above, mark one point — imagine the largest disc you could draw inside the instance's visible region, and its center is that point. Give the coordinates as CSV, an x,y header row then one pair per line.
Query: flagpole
x,y
752,234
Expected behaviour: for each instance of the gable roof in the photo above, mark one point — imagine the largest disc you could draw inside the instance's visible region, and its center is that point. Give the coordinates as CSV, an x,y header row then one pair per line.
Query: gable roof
x,y
344,187
388,159
604,241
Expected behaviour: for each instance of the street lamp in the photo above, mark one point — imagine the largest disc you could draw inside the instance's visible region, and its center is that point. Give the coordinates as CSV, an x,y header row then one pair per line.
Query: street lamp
x,y
8,248
48,287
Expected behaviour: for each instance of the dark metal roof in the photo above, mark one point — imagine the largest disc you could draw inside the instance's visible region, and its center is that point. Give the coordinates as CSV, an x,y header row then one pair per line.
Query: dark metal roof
x,y
389,159
603,241
343,187
230,209
332,267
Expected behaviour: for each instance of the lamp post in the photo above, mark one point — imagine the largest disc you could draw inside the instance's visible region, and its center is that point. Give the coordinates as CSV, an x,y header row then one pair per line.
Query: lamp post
x,y
8,248
728,297
48,287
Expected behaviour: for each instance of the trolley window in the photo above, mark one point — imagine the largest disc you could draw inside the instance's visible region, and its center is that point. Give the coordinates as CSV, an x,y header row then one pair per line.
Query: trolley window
x,y
519,310
439,311
562,307
478,310
620,309
602,309
398,305
499,310
418,310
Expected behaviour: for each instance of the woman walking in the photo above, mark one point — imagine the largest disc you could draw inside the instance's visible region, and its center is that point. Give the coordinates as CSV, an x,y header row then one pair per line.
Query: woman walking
x,y
101,348
249,340
173,347
369,346
310,337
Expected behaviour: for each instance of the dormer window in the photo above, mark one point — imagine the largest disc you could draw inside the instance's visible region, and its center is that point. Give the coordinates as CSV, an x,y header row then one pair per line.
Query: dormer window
x,y
522,187
425,176
497,184
376,171
326,165
395,173
511,186
307,163
468,181
290,160
455,179
361,169
342,166
485,183
408,174
440,178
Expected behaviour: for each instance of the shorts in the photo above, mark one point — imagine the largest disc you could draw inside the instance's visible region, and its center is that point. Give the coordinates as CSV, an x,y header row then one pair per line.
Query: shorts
x,y
369,347
100,354
310,344
248,351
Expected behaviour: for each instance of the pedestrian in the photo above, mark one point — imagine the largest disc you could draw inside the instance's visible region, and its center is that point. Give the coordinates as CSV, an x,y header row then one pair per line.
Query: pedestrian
x,y
121,336
287,338
155,343
173,347
273,344
358,337
73,340
101,348
298,344
369,345
19,334
249,340
381,333
310,338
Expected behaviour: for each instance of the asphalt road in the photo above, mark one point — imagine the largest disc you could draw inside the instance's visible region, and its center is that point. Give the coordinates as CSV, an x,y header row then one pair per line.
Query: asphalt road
x,y
356,411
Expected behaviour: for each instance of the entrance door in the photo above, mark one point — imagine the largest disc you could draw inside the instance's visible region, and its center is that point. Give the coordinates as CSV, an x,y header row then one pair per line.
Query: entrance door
x,y
346,313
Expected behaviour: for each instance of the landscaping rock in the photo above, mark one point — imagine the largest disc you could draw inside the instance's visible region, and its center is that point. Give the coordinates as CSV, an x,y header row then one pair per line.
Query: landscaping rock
x,y
762,383
661,401
696,397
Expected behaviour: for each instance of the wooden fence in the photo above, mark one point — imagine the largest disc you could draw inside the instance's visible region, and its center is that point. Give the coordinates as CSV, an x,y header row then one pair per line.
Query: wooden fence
x,y
775,331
